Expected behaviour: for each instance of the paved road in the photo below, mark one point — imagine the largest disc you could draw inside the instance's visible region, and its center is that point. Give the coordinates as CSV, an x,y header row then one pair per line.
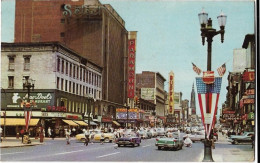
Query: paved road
x,y
57,150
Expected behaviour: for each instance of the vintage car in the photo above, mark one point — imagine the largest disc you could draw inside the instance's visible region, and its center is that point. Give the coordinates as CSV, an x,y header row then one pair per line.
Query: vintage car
x,y
197,136
173,143
160,132
109,137
129,139
246,137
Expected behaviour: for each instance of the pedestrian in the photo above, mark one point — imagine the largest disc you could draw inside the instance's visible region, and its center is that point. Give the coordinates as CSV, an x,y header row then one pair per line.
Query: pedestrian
x,y
86,133
73,131
22,133
49,132
1,131
67,133
102,138
92,135
52,134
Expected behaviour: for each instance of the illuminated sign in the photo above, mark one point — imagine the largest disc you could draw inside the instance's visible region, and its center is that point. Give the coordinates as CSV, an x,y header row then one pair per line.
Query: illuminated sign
x,y
249,76
131,68
171,93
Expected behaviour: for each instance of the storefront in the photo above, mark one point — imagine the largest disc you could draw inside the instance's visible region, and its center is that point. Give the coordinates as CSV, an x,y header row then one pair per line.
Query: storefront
x,y
132,117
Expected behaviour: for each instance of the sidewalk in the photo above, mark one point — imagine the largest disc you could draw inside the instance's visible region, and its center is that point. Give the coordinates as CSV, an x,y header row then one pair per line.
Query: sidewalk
x,y
226,152
9,142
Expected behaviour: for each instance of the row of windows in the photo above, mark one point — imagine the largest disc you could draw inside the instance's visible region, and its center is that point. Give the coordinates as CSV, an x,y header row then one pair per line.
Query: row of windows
x,y
11,65
77,72
11,81
78,89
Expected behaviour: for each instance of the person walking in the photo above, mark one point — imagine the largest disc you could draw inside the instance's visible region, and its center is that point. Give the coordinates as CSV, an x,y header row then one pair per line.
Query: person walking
x,y
52,134
22,133
102,138
86,133
49,132
1,131
67,134
73,131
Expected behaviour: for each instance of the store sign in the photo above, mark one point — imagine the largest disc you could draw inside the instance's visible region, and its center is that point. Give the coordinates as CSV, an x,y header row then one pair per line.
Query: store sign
x,y
249,76
251,115
250,92
131,68
208,77
53,114
171,93
72,117
81,10
14,100
249,101
54,109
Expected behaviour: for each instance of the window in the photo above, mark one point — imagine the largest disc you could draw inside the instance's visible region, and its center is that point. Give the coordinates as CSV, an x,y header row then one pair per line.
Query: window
x,y
62,66
80,89
80,75
26,63
62,84
10,82
11,63
84,75
73,88
67,68
58,82
74,71
77,72
58,64
77,89
70,70
69,86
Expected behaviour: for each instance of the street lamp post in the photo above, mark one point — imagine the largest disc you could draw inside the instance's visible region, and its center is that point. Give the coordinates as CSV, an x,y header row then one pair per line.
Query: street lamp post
x,y
28,84
209,32
127,108
90,101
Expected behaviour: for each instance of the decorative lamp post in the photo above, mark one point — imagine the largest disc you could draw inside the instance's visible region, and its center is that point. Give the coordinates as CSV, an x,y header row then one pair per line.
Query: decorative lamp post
x,y
90,102
208,32
28,84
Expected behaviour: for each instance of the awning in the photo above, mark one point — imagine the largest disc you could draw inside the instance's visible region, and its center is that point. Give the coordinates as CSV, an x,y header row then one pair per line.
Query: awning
x,y
91,123
116,123
17,122
81,123
70,122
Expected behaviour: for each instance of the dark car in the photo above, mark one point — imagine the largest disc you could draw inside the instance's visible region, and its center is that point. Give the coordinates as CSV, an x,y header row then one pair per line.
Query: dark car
x,y
129,139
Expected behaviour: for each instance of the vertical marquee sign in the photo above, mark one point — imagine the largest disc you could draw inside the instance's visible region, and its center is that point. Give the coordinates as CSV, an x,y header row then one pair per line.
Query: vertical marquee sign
x,y
171,93
131,68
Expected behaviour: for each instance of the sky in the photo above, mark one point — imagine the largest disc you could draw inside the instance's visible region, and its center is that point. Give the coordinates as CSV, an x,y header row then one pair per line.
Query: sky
x,y
168,36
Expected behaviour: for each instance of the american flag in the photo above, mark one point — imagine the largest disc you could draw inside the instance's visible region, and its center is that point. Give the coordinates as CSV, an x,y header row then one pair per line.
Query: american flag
x,y
222,70
196,69
208,96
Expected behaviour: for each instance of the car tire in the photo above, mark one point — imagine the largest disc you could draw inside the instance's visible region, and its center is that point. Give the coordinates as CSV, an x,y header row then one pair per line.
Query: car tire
x,y
118,145
106,140
159,148
236,142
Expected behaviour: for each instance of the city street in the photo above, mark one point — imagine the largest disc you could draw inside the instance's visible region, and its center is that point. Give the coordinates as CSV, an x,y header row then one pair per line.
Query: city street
x,y
57,150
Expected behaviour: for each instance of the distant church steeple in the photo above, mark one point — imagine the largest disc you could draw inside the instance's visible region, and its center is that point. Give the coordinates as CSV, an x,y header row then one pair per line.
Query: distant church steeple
x,y
192,101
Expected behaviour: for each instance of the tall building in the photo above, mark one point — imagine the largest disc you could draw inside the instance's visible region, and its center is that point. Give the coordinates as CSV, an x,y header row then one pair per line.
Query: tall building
x,y
152,89
193,101
94,30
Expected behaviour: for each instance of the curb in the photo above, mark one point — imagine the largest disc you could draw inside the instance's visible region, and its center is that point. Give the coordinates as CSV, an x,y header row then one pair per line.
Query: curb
x,y
21,145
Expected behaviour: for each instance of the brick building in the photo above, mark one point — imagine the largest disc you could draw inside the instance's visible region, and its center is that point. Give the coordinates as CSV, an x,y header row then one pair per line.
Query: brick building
x,y
94,30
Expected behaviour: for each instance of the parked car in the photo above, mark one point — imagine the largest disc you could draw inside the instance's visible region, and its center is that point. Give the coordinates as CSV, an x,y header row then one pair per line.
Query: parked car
x,y
149,134
129,139
246,137
160,132
173,143
109,137
153,131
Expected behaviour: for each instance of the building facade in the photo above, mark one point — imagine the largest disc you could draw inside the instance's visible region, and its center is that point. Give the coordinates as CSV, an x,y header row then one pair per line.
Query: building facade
x,y
238,112
63,81
94,30
152,89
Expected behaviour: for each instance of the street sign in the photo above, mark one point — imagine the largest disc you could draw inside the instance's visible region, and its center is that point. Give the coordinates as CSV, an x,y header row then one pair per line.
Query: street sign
x,y
208,77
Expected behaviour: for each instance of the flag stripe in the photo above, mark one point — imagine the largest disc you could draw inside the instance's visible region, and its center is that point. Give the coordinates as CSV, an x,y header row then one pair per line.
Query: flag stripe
x,y
221,70
196,69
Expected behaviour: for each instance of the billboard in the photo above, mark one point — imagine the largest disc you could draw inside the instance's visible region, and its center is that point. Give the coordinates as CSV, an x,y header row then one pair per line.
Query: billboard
x,y
148,93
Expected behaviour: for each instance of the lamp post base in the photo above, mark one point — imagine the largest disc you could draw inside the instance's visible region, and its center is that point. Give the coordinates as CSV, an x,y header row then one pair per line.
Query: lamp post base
x,y
207,151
